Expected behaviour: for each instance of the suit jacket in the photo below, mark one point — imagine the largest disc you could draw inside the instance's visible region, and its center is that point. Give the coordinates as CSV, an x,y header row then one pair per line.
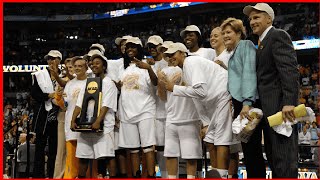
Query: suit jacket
x,y
22,157
277,72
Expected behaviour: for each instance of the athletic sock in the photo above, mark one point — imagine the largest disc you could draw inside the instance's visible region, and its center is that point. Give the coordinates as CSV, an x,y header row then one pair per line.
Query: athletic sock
x,y
172,177
191,177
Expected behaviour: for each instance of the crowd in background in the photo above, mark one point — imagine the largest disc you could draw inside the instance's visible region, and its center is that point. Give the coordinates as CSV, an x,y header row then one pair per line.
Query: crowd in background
x,y
299,20
71,9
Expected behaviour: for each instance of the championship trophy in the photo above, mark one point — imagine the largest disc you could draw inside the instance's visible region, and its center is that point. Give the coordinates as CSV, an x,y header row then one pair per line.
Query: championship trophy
x,y
92,92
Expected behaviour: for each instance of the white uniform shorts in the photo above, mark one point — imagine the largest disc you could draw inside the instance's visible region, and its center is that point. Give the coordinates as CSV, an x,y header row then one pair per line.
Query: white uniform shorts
x,y
135,135
95,145
160,125
220,127
183,140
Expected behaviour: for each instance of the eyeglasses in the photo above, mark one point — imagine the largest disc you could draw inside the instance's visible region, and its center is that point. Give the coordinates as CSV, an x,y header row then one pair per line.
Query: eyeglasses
x,y
130,45
50,58
170,55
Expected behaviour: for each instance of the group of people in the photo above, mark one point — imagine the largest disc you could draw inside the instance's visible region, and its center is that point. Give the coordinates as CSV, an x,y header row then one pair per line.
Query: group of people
x,y
309,135
165,107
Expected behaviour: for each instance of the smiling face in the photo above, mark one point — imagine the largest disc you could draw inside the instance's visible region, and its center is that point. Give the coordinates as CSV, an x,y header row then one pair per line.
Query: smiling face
x,y
230,37
216,39
190,39
80,67
153,50
259,21
97,66
69,66
131,50
176,59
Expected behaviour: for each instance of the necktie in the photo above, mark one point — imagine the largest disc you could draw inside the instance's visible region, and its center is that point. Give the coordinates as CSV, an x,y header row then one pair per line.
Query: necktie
x,y
259,42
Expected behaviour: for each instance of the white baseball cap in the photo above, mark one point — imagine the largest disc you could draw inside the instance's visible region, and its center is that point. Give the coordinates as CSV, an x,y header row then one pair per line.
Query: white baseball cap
x,y
99,46
164,45
134,40
93,52
98,55
190,28
54,53
174,47
155,39
118,39
264,7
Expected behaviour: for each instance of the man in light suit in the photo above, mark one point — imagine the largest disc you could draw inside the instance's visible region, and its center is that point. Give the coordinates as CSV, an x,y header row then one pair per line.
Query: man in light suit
x,y
278,89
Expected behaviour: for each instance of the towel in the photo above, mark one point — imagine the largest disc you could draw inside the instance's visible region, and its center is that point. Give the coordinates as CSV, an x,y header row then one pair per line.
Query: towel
x,y
45,84
244,128
286,127
276,119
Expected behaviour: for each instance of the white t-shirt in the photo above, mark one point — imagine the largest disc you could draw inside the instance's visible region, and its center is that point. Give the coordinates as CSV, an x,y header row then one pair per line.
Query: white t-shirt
x,y
72,90
109,100
113,68
224,57
304,138
137,100
160,105
207,53
179,109
201,73
159,65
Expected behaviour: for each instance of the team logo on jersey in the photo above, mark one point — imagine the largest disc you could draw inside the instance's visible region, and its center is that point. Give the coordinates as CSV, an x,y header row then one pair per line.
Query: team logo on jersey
x,y
75,94
92,87
176,78
130,82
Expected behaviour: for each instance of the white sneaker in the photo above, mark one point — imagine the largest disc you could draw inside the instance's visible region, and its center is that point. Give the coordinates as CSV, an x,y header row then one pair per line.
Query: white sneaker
x,y
5,176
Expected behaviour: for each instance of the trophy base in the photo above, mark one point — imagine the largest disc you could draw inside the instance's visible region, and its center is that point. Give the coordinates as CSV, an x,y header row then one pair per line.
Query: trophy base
x,y
87,128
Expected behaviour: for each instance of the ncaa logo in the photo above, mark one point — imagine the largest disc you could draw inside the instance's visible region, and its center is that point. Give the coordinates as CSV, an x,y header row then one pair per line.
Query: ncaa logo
x,y
92,87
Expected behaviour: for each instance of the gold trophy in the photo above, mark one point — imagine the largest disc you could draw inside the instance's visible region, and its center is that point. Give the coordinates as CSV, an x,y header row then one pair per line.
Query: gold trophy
x,y
93,92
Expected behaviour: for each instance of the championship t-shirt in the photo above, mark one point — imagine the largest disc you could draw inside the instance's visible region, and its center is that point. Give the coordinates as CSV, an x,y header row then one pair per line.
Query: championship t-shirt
x,y
72,90
137,100
224,57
